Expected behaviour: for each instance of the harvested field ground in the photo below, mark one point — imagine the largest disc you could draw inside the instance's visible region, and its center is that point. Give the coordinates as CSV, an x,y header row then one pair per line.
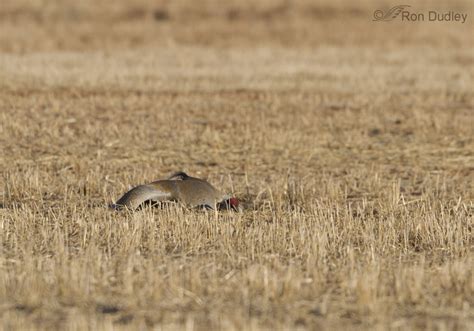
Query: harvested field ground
x,y
349,141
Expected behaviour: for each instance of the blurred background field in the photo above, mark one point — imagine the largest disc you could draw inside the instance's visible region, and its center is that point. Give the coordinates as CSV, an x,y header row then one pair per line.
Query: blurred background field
x,y
349,141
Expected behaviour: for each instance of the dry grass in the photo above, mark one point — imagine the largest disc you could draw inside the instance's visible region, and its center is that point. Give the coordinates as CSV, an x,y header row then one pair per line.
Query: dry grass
x,y
352,151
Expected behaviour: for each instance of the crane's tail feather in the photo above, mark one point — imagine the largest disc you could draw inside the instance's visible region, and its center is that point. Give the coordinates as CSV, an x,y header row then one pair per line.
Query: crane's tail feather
x,y
179,176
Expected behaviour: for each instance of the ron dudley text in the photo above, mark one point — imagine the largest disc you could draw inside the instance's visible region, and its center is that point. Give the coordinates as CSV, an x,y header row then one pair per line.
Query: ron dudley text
x,y
432,15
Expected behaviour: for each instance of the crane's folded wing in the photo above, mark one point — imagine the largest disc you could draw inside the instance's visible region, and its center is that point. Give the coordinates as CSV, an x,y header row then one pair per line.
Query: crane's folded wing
x,y
138,195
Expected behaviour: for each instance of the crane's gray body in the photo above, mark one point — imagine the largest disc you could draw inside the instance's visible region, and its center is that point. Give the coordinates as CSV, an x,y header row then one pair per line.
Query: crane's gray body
x,y
190,191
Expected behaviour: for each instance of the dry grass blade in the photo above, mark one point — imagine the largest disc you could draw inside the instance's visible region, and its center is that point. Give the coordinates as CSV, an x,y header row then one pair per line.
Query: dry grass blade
x,y
348,141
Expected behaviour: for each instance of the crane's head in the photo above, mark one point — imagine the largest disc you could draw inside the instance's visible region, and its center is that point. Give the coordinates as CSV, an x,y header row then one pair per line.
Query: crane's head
x,y
229,203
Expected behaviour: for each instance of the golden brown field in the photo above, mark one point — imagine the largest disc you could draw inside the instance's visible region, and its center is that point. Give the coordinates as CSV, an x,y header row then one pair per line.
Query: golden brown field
x,y
349,141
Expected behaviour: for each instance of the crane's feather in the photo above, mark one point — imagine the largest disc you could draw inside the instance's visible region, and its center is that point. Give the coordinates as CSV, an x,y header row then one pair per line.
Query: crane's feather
x,y
179,176
138,195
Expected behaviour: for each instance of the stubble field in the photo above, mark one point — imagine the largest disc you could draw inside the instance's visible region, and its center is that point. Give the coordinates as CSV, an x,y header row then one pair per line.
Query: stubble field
x,y
349,142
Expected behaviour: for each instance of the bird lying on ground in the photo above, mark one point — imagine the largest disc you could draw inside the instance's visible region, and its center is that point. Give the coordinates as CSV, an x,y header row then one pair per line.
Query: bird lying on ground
x,y
180,187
